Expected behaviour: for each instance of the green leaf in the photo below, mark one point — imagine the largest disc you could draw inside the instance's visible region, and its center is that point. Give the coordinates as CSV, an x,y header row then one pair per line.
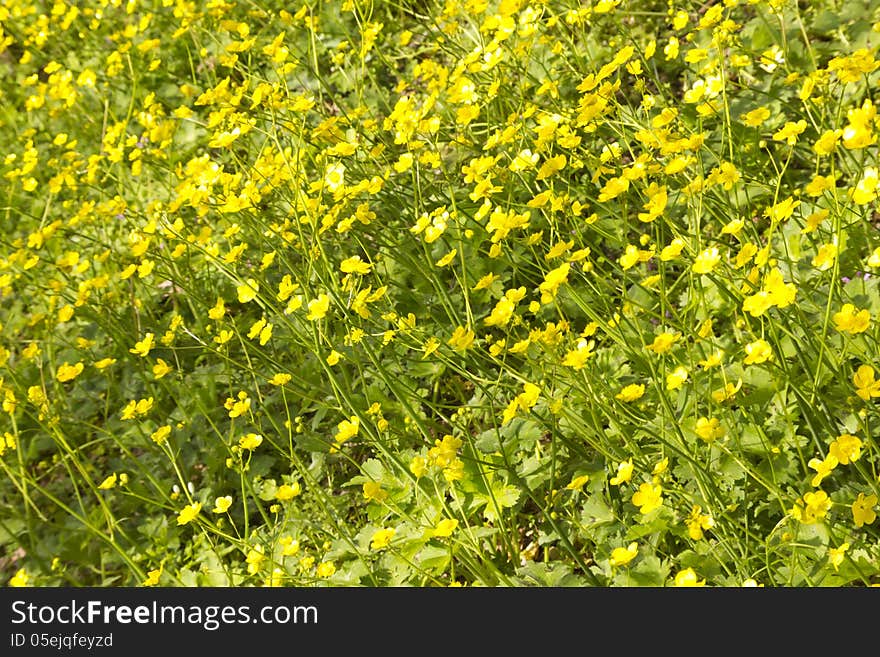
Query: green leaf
x,y
596,512
433,558
649,571
504,496
266,489
656,522
548,574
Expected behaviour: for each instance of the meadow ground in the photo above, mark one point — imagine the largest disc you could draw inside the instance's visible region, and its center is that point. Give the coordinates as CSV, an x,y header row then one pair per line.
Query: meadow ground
x,y
439,293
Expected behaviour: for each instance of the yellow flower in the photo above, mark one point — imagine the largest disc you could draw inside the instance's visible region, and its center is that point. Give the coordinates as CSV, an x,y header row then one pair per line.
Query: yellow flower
x,y
680,19
445,527
624,473
286,288
142,347
661,466
256,327
238,407
347,429
325,569
866,189
577,483
631,392
696,55
863,509
822,467
504,308
782,210
250,441
630,257
461,339
814,221
827,142
858,133
554,278
706,261
657,199
404,163
108,483
65,313
812,507
288,491
551,166
819,184
775,292
755,117
866,386
713,360
673,250
265,334
666,116
382,538
161,368
223,336
222,504
137,408
318,307
219,309
852,320
189,513
485,282
20,579
758,351
709,429
160,435
417,465
613,188
294,304
577,358
836,555
448,258
621,556
648,498
676,378
525,159
248,291
289,546
152,577
373,492
355,264
727,392
698,522
771,58
846,448
334,176
67,372
790,131
501,223
255,559
663,342
727,175
688,577
825,257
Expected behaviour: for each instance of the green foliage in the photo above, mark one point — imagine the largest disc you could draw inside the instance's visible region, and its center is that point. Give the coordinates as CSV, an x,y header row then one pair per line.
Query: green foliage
x,y
433,294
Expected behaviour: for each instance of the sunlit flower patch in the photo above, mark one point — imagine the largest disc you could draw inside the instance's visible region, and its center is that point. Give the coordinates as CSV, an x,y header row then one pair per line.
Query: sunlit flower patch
x,y
481,292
